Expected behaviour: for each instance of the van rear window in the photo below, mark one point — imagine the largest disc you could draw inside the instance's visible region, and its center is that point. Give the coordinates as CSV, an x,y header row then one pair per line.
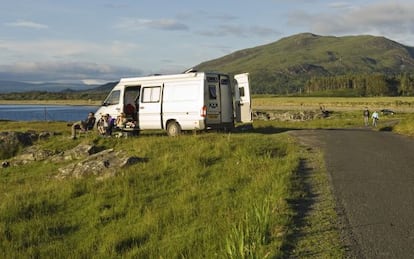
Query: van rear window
x,y
212,79
224,81
241,91
212,92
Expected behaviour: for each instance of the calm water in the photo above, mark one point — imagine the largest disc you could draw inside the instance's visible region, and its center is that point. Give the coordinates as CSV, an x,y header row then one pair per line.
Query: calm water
x,y
44,112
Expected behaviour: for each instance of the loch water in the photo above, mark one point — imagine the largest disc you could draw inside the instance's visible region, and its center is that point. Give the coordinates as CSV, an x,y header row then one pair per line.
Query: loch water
x,y
29,112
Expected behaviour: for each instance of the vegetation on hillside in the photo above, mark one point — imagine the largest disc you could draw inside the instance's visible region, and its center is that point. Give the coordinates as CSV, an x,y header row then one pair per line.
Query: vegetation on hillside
x,y
97,94
42,95
286,66
361,85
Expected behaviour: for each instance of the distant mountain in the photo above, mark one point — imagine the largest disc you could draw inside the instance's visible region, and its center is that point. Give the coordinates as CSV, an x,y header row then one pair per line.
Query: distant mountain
x,y
17,87
285,65
105,88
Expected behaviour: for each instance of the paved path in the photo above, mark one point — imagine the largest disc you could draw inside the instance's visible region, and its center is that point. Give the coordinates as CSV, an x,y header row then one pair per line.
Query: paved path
x,y
372,174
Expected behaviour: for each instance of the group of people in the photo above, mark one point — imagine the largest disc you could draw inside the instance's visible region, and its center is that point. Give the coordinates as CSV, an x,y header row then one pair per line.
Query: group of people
x,y
105,125
375,117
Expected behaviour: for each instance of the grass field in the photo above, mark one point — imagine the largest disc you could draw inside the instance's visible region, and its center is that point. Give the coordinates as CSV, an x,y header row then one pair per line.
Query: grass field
x,y
198,196
221,195
399,104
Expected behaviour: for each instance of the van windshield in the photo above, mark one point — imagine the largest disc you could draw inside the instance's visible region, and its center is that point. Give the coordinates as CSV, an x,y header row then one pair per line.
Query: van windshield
x,y
113,98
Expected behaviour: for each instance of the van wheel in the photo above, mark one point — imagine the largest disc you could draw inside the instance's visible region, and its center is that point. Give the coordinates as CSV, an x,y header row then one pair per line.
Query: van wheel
x,y
173,129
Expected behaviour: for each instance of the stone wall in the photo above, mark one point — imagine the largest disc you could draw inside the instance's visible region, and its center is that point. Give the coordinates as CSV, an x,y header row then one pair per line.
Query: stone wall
x,y
290,115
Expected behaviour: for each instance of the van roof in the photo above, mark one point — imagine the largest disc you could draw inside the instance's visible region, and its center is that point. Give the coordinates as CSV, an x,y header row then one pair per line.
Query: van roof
x,y
162,77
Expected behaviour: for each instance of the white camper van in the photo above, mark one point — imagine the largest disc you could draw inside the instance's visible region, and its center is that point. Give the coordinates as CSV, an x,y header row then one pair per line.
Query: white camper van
x,y
188,101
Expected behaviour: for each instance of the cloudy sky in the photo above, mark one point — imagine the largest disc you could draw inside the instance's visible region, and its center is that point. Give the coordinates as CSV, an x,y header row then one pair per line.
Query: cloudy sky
x,y
103,40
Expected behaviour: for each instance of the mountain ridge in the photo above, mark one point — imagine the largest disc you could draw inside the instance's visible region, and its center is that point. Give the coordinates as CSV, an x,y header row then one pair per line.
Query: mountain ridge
x,y
286,64
8,86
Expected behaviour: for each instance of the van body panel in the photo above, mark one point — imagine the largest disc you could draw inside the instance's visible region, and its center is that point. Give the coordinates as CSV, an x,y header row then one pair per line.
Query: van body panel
x,y
182,102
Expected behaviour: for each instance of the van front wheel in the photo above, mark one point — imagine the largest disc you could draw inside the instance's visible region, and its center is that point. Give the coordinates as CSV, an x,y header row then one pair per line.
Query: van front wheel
x,y
173,129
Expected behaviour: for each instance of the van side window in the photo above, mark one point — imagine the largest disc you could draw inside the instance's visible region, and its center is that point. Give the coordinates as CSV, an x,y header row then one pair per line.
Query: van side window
x,y
151,94
224,81
113,98
212,92
241,91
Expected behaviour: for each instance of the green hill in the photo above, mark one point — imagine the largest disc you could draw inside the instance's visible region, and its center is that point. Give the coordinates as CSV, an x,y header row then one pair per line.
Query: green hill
x,y
286,65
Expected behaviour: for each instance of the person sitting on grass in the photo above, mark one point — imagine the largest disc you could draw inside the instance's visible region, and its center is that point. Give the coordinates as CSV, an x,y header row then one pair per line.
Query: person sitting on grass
x,y
84,125
104,125
121,121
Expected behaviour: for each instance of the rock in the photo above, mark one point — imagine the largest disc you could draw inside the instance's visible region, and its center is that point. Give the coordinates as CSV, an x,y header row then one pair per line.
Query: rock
x,y
30,154
79,152
34,153
102,164
12,141
87,159
23,138
286,115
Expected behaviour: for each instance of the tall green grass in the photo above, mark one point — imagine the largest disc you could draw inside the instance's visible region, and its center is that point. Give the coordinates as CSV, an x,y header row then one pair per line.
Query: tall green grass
x,y
406,125
197,196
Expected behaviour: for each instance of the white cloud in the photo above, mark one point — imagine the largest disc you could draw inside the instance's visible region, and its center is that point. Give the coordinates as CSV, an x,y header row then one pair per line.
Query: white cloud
x,y
391,19
94,81
47,60
340,5
239,31
27,24
161,24
61,71
63,50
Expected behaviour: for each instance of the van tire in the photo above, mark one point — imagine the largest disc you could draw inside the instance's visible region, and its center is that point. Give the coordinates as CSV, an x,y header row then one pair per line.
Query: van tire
x,y
173,129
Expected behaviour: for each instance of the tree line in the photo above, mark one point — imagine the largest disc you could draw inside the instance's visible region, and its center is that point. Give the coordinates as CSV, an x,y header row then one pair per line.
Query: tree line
x,y
362,85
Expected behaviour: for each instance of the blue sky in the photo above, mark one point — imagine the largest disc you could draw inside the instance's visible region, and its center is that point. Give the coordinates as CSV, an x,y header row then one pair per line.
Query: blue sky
x,y
96,41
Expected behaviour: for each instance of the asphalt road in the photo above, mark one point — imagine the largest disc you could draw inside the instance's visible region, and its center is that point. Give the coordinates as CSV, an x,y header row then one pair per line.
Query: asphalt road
x,y
372,175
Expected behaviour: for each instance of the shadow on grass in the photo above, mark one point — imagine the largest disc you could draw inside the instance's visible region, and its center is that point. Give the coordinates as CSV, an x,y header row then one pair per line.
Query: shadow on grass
x,y
301,204
388,128
272,130
263,130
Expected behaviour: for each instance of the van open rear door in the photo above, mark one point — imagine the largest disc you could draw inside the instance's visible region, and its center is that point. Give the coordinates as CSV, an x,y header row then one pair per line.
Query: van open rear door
x,y
243,99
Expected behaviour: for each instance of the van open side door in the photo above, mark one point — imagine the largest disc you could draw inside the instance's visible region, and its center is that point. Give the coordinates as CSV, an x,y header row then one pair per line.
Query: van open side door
x,y
243,101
